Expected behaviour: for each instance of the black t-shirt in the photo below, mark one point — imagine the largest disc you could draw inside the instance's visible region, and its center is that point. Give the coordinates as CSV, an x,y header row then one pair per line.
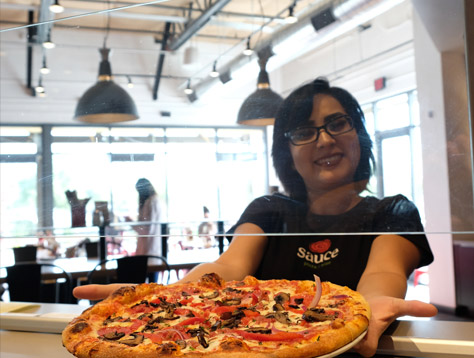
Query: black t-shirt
x,y
340,256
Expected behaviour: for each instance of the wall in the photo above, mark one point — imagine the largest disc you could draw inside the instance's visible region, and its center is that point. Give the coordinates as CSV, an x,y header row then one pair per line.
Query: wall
x,y
435,165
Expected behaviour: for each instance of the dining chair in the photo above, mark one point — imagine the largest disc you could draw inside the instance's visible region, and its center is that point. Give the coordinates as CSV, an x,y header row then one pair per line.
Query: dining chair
x,y
131,269
25,253
26,283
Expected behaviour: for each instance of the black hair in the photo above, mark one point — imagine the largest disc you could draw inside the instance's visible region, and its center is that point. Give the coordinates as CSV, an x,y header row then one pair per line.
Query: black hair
x,y
294,112
145,190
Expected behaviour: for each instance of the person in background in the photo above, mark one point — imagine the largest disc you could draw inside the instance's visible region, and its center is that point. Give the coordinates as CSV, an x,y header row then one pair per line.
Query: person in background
x,y
148,241
322,154
206,229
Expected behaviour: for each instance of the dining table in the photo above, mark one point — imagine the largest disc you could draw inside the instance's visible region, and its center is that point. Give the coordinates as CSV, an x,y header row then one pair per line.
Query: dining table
x,y
79,267
32,330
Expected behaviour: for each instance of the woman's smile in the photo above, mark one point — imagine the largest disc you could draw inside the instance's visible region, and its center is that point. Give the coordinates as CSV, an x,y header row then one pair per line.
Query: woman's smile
x,y
329,161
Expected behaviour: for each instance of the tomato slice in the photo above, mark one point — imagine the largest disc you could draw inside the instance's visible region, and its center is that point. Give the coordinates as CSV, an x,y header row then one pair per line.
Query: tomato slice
x,y
192,320
250,313
221,309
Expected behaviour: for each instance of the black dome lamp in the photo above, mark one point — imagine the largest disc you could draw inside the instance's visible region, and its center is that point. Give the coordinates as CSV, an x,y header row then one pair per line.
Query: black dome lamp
x,y
106,101
260,107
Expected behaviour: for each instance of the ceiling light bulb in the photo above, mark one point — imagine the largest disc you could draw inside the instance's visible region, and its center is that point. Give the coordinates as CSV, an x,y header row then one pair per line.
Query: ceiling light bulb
x,y
188,89
291,18
130,83
214,73
48,44
39,88
44,70
56,7
248,51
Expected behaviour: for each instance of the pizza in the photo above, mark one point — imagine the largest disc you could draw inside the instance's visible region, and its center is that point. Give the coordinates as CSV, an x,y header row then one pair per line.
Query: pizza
x,y
213,318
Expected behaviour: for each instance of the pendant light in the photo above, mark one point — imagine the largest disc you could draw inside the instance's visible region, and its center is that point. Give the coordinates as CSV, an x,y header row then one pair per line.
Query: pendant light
x,y
260,107
248,50
56,7
291,18
214,73
105,102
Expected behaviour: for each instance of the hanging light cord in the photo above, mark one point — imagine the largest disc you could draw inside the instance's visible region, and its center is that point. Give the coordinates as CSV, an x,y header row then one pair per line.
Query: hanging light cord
x,y
107,26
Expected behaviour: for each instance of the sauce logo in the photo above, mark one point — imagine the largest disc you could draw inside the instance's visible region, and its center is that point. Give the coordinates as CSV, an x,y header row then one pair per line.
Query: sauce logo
x,y
319,247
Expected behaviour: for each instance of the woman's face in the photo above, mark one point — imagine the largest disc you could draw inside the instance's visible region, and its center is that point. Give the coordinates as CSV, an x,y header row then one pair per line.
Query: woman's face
x,y
329,162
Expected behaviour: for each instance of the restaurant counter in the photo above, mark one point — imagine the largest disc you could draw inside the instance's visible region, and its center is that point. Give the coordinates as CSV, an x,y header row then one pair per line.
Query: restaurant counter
x,y
24,334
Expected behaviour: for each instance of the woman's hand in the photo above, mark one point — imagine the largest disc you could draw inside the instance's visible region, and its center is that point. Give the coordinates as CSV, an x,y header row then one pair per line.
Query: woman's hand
x,y
385,310
96,292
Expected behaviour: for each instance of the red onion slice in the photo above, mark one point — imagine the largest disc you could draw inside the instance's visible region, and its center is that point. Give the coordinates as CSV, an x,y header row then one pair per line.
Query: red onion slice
x,y
175,331
317,295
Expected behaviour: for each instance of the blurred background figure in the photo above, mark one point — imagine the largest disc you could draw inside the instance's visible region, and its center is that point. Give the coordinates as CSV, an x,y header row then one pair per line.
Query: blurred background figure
x,y
206,229
148,241
48,247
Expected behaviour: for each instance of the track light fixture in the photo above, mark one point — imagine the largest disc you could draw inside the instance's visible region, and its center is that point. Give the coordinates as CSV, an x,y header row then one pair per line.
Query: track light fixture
x,y
291,18
248,51
188,90
56,7
39,88
48,44
130,83
214,73
44,69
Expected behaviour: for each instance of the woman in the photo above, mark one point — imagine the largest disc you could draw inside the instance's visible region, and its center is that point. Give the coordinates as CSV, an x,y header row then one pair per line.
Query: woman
x,y
148,243
322,155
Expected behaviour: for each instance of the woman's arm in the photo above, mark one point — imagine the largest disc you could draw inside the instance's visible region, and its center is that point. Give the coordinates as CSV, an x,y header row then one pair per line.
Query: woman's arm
x,y
384,282
241,258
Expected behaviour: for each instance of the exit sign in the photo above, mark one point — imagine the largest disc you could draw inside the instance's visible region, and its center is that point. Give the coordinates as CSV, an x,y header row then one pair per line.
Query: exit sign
x,y
379,83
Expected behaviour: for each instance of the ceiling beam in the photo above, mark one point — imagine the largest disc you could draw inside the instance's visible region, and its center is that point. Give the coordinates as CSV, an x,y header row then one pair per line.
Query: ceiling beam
x,y
197,24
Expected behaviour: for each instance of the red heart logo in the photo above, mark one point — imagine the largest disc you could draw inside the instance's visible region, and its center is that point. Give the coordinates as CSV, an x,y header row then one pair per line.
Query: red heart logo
x,y
320,246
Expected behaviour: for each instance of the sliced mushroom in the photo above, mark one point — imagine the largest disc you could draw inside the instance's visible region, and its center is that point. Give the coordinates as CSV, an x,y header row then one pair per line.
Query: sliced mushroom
x,y
230,323
231,301
231,289
216,325
113,336
278,307
134,340
299,301
280,317
143,302
282,297
196,331
262,330
317,315
110,320
202,340
210,295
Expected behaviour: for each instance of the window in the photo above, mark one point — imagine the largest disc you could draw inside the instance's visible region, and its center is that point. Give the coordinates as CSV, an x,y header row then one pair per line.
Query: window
x,y
222,169
393,124
18,180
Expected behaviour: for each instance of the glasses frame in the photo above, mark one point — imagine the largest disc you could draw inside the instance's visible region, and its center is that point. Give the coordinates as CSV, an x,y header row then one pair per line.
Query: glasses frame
x,y
320,128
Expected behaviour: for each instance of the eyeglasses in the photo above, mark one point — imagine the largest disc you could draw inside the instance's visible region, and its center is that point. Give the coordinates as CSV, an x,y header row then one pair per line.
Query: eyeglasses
x,y
306,135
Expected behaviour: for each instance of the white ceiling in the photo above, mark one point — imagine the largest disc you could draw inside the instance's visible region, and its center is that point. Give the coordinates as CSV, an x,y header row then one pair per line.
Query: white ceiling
x,y
135,36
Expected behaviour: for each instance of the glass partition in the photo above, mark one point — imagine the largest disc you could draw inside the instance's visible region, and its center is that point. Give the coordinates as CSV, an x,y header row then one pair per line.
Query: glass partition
x,y
411,84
